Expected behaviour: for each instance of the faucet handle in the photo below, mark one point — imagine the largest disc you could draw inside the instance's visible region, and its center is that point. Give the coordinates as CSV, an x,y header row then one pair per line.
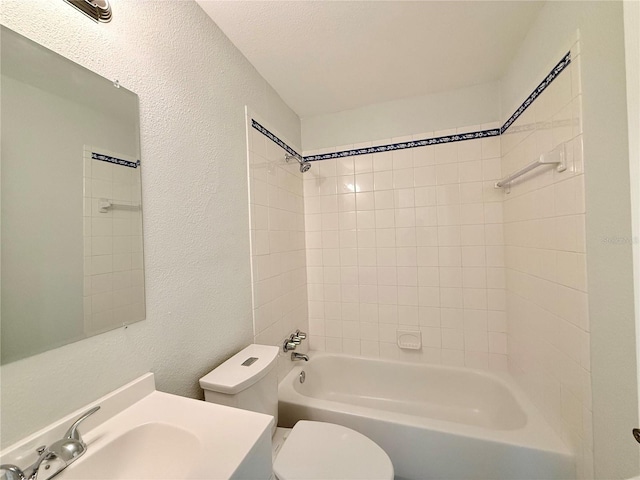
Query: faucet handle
x,y
73,433
301,335
289,345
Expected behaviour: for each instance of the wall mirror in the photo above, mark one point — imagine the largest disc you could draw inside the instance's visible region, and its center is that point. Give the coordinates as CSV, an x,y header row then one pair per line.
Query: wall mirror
x,y
71,224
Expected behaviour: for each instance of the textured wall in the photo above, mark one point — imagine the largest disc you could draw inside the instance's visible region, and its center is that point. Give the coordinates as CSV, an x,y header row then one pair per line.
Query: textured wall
x,y
193,85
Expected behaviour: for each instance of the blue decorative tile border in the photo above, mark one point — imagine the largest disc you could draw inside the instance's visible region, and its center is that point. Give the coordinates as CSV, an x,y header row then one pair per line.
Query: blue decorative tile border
x,y
117,161
402,145
560,66
274,138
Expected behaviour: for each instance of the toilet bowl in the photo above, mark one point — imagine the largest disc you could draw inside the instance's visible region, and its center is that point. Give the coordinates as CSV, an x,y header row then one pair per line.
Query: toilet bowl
x,y
311,450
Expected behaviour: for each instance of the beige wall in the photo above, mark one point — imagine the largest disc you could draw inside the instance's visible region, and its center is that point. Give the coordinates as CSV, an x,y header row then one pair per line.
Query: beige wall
x,y
193,86
632,62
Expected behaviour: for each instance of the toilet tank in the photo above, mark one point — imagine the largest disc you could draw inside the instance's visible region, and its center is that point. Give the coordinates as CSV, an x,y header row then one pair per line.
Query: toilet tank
x,y
248,380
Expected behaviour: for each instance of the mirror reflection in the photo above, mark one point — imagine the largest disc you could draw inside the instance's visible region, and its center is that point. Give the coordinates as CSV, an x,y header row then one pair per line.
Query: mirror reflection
x,y
71,226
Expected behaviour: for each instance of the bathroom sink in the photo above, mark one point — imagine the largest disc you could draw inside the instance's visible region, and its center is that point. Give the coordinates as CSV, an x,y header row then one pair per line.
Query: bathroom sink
x,y
143,434
152,450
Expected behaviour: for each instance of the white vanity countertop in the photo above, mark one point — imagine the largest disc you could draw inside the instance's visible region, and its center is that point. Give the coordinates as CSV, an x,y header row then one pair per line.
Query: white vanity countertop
x,y
142,433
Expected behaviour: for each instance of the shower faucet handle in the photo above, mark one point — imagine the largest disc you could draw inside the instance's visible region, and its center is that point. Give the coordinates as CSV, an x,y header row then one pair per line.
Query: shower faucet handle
x,y
295,339
288,345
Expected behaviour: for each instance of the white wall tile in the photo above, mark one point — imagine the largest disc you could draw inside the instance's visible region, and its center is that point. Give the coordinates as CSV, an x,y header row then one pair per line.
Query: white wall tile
x,y
403,178
544,311
416,241
279,197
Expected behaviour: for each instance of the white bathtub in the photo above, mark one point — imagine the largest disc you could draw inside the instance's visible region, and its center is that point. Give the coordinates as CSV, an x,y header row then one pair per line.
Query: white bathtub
x,y
434,422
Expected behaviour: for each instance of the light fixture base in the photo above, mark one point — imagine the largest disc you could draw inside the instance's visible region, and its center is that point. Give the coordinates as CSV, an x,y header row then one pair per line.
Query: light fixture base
x,y
96,10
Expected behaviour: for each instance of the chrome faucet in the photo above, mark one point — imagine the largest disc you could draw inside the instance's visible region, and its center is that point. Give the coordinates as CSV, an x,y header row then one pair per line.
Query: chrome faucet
x,y
299,356
57,457
293,340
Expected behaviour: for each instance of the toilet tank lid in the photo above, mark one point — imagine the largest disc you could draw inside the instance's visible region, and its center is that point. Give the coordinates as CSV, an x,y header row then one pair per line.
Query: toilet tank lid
x,y
242,370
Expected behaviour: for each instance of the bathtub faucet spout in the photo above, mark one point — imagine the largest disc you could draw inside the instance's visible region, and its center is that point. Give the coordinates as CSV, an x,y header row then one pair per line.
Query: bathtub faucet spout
x,y
299,356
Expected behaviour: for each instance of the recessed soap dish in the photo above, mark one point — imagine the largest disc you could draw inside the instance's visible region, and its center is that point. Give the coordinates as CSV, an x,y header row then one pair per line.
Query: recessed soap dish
x,y
409,339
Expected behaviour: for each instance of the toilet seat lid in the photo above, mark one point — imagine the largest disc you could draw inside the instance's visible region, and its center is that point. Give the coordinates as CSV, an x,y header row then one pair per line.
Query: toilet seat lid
x,y
318,450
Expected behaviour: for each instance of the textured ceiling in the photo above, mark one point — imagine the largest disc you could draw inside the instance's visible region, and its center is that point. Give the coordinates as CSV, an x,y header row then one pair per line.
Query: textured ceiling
x,y
324,56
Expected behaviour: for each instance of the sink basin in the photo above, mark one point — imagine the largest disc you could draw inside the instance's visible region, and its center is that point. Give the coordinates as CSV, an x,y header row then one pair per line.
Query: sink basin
x,y
152,450
142,434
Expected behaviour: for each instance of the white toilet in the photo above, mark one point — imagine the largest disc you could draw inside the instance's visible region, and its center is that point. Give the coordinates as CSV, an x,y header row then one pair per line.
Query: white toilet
x,y
309,451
